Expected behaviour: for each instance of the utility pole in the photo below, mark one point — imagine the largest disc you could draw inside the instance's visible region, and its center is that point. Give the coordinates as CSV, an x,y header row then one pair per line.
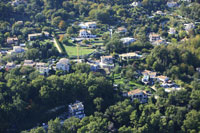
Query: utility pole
x,y
77,51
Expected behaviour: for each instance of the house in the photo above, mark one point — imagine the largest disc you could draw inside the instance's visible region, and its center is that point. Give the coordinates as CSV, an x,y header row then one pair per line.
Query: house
x,y
1,67
172,4
12,40
150,73
162,78
43,68
159,42
172,31
160,13
17,2
121,30
154,37
3,52
76,110
22,45
88,25
63,64
86,34
184,39
94,66
135,4
10,65
189,26
30,63
107,62
198,69
19,22
146,79
141,95
185,1
36,35
131,55
127,40
170,86
107,59
148,76
16,50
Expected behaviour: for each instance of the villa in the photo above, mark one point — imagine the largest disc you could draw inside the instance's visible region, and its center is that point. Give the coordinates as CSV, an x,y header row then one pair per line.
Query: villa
x,y
141,95
76,110
63,64
86,34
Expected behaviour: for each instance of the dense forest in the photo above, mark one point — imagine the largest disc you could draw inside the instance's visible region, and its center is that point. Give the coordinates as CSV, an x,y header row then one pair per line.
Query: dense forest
x,y
26,96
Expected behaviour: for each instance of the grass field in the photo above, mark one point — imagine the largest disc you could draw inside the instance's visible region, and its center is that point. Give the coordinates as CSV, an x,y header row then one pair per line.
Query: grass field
x,y
72,50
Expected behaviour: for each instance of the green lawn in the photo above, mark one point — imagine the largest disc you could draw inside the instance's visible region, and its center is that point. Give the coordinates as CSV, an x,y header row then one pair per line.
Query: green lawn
x,y
122,81
72,50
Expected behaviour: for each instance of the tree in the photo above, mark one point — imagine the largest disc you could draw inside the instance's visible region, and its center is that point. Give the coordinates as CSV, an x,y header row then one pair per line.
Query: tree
x,y
195,99
115,45
71,125
39,17
98,102
70,30
38,130
62,25
125,129
55,21
32,54
191,123
54,126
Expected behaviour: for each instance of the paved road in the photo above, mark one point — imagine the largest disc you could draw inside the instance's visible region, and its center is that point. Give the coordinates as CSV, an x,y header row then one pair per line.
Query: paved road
x,y
57,46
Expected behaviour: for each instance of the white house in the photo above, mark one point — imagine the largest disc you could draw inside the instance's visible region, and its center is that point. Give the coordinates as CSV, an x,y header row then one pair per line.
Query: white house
x,y
127,40
160,13
141,95
107,62
198,69
36,35
185,1
172,31
150,73
146,79
189,26
10,65
76,110
86,34
16,50
135,4
121,30
1,67
94,66
107,59
30,63
131,55
17,2
171,4
159,42
63,64
88,25
43,68
162,78
12,40
154,37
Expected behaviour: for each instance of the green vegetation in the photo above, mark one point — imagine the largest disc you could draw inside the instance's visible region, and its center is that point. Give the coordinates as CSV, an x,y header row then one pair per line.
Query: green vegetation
x,y
72,50
26,96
